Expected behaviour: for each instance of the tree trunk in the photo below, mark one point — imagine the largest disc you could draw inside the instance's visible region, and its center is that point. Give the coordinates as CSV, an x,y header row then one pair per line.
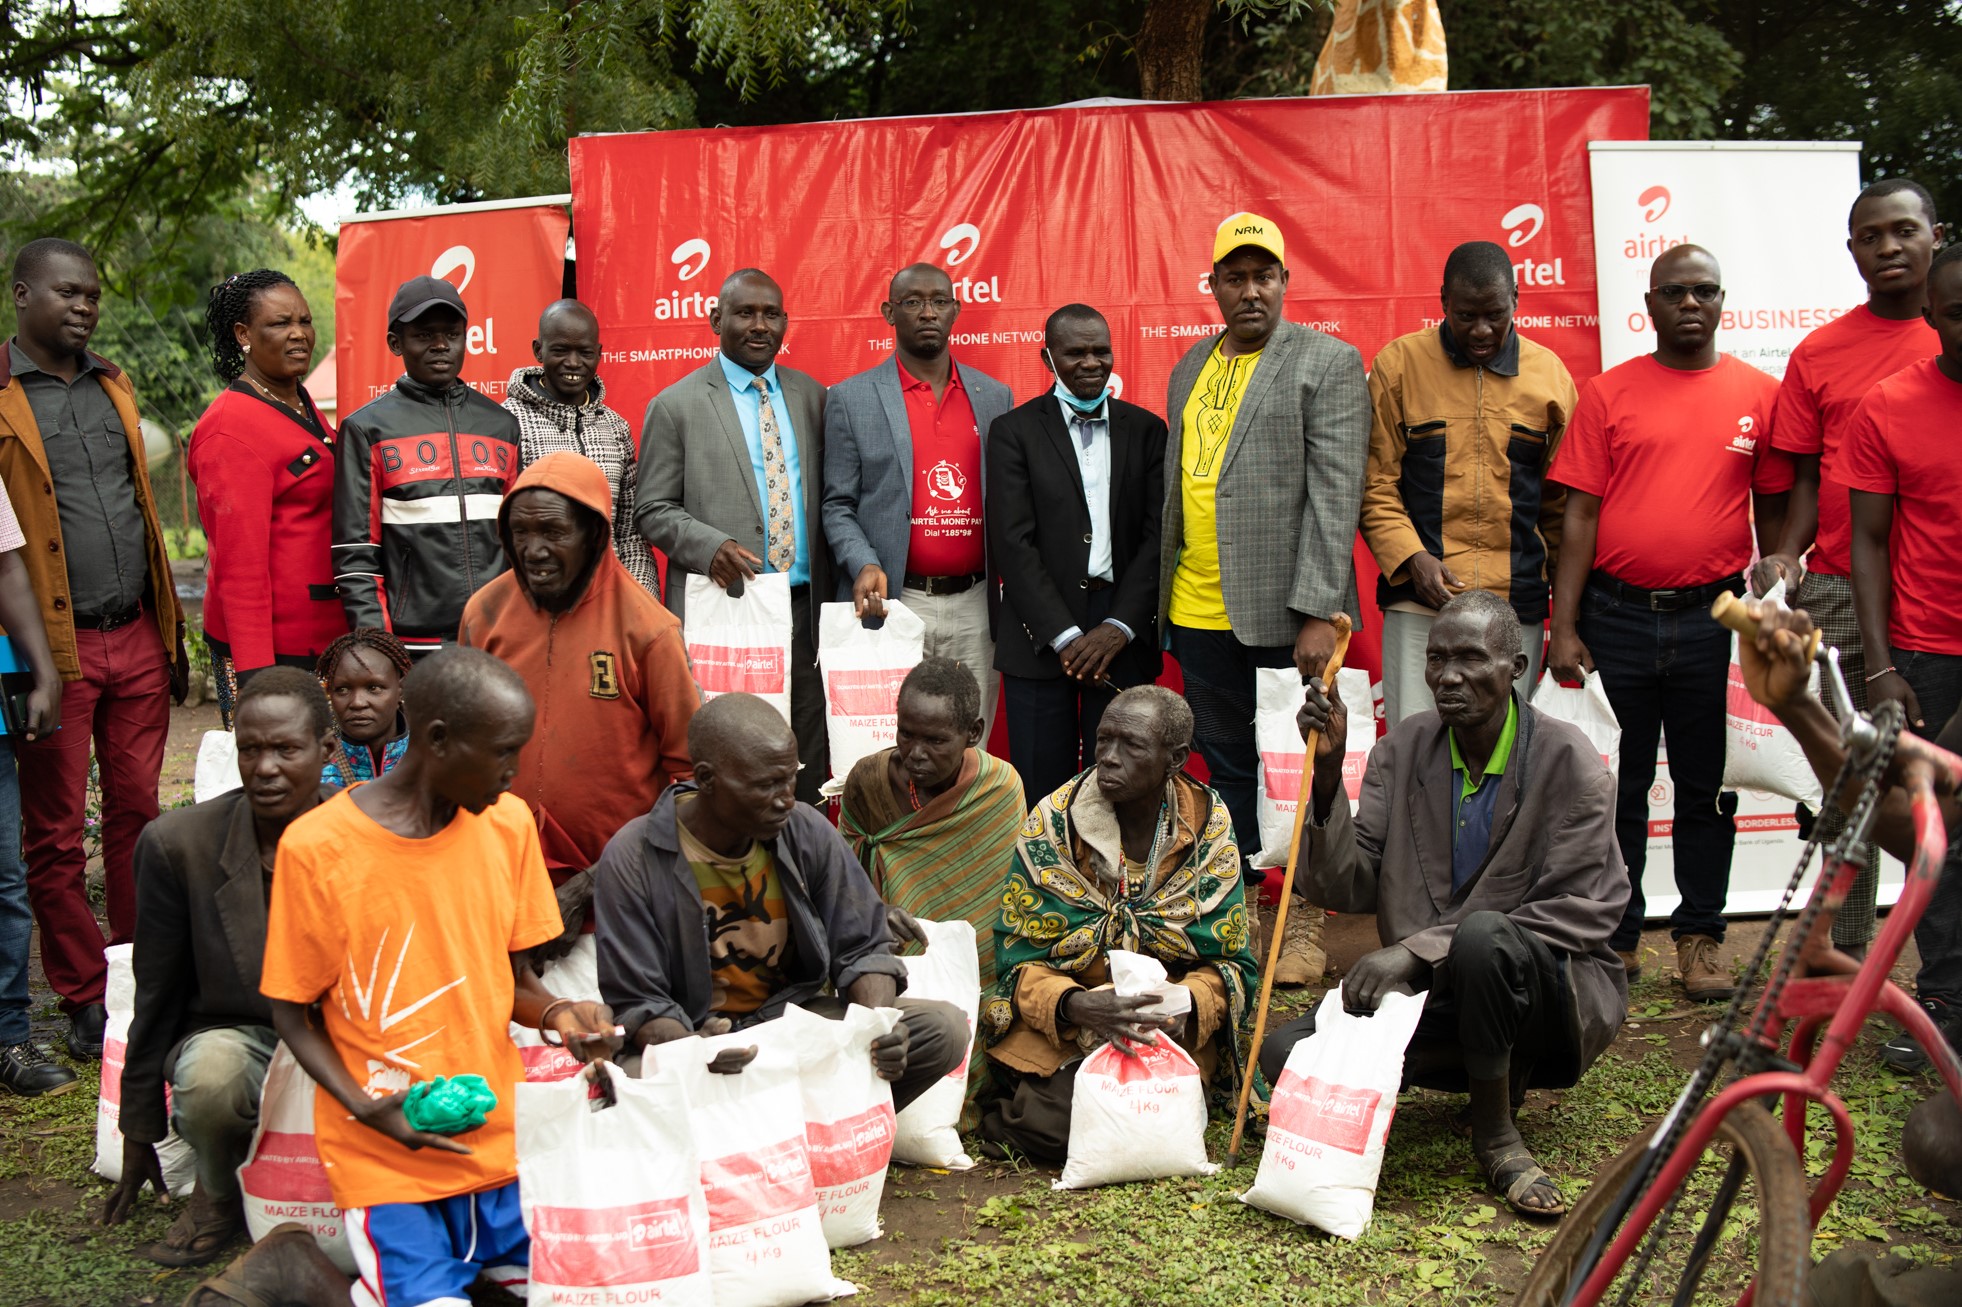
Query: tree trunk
x,y
1171,47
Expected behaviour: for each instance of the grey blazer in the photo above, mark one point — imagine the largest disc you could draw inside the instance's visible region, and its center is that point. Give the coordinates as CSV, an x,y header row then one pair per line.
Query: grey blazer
x,y
1553,865
696,488
1289,490
868,467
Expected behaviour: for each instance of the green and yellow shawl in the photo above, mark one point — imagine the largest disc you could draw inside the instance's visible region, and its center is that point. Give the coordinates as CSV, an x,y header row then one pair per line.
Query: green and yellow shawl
x,y
1057,910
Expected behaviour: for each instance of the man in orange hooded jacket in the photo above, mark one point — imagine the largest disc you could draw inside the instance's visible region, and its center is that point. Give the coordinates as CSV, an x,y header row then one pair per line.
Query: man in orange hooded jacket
x,y
604,662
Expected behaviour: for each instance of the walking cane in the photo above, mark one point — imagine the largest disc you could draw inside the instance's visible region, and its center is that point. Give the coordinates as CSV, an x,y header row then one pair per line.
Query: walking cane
x,y
1307,796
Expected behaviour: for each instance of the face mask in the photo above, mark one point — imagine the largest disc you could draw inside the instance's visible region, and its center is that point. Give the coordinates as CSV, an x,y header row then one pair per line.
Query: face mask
x,y
1083,406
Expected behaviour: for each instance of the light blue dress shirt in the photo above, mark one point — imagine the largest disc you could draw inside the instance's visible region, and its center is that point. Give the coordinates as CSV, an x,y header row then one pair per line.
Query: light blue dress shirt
x,y
749,408
1090,439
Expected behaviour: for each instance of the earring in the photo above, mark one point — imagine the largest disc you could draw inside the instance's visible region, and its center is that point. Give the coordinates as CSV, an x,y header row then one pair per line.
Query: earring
x,y
248,347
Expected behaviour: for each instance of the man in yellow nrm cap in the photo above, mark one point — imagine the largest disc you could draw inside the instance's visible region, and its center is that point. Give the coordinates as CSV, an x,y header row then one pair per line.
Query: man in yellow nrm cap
x,y
1269,431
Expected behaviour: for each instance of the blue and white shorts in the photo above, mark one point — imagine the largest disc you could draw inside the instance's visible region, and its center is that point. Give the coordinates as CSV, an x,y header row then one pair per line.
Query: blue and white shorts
x,y
428,1254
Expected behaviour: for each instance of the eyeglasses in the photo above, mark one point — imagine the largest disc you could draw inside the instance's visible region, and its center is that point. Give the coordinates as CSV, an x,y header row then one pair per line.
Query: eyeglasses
x,y
939,304
1706,292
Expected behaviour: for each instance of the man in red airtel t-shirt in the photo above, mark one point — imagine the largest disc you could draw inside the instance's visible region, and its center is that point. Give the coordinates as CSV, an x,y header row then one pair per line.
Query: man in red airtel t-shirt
x,y
903,503
1664,457
1892,234
1901,462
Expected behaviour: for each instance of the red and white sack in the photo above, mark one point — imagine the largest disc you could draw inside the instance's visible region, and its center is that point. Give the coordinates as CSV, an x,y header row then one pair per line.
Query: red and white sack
x,y
1584,706
949,971
848,1116
180,1165
282,1178
1278,695
862,670
575,976
1136,1116
612,1197
740,643
1759,753
1331,1113
766,1239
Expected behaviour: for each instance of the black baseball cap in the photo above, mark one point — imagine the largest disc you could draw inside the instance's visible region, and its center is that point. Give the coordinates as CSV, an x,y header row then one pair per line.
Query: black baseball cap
x,y
418,295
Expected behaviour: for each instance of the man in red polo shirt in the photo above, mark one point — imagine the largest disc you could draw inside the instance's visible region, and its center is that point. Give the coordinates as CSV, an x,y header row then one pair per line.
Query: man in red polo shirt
x,y
1900,462
903,478
1663,460
1892,234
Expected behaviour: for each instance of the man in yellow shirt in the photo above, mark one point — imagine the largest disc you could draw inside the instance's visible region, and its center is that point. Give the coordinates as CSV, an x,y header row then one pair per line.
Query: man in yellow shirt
x,y
1269,435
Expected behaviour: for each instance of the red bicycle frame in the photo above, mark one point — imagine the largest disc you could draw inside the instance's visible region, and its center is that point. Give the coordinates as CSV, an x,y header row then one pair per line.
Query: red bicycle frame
x,y
1826,985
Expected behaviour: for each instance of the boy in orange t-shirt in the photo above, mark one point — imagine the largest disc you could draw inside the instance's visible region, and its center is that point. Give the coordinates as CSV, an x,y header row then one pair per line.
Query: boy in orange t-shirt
x,y
401,913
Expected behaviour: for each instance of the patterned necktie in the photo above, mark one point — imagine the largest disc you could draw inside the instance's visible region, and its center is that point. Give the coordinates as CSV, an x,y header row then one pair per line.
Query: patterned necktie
x,y
778,513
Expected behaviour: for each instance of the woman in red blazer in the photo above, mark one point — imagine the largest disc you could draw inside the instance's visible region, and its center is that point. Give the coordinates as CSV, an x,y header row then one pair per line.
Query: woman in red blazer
x,y
262,459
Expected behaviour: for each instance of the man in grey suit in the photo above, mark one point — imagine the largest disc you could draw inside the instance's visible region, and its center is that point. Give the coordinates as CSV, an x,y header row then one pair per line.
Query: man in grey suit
x,y
903,478
1269,432
730,482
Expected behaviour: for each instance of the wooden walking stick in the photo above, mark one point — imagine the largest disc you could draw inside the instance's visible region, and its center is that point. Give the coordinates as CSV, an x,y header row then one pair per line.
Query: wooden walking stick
x,y
1307,796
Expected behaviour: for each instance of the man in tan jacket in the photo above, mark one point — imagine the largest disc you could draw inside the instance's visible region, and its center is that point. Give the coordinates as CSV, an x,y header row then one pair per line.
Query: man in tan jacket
x,y
1466,418
71,456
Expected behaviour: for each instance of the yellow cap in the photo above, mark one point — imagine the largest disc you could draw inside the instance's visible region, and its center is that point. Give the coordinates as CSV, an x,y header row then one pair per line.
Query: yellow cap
x,y
1248,229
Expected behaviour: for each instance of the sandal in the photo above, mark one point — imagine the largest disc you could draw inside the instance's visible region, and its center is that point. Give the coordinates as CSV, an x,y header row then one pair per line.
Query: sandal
x,y
200,1234
1514,1174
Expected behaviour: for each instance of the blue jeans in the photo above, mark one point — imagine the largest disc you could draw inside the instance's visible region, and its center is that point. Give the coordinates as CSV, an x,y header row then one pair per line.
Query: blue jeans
x,y
1936,680
1666,674
1219,685
16,920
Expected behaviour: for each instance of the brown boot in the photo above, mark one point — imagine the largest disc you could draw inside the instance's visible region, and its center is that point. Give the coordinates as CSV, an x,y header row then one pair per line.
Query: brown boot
x,y
1303,959
1703,979
1631,962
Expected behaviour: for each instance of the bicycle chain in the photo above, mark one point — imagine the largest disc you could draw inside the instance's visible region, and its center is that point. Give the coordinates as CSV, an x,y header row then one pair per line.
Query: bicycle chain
x,y
1721,1041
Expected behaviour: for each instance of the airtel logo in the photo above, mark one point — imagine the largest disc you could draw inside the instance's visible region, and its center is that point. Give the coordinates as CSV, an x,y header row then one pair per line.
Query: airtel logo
x,y
1524,223
456,256
1654,202
1746,424
691,256
966,236
1116,384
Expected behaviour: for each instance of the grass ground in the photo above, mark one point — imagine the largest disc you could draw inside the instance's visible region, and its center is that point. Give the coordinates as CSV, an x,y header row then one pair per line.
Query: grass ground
x,y
999,1235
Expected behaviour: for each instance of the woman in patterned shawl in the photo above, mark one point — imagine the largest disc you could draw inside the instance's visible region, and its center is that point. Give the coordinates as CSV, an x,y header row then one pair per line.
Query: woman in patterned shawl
x,y
1132,854
933,819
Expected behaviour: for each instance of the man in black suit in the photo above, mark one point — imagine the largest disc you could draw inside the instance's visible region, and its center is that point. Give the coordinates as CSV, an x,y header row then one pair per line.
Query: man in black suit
x,y
1076,488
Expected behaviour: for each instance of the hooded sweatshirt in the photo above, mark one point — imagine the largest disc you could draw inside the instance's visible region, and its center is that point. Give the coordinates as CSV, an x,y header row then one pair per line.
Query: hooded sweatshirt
x,y
609,675
549,425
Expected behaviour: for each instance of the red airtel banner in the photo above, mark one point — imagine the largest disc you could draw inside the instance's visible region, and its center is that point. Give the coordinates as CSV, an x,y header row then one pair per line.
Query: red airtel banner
x,y
507,258
1111,205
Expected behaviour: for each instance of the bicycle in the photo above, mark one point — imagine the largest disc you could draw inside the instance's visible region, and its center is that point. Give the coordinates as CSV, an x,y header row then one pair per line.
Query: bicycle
x,y
1622,1224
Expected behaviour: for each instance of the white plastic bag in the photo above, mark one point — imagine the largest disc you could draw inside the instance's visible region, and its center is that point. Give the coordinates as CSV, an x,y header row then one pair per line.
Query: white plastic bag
x,y
949,971
1331,1113
862,670
1140,1116
848,1117
282,1178
173,1154
576,976
1759,753
612,1198
766,1239
217,766
741,643
1585,706
1278,696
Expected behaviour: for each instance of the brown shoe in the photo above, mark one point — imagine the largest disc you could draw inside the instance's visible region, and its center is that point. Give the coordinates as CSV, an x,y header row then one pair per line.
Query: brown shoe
x,y
1696,964
1631,962
1303,959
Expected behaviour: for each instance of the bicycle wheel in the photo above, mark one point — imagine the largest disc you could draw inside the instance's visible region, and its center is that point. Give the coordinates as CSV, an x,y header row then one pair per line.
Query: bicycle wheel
x,y
1771,1180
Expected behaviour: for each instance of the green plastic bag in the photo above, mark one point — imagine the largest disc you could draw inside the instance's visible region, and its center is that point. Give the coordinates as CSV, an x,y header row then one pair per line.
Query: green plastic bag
x,y
449,1105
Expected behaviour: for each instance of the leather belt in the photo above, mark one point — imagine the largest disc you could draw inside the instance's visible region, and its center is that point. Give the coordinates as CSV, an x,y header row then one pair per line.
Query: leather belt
x,y
109,621
944,585
1093,583
1665,601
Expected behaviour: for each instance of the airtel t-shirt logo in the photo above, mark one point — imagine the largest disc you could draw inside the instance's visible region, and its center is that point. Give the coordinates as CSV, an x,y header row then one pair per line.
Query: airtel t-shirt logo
x,y
1521,224
1744,442
689,259
959,243
480,338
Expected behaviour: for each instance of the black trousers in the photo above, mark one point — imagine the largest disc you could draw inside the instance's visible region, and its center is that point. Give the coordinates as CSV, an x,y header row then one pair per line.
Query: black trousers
x,y
1052,722
1497,1005
807,720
